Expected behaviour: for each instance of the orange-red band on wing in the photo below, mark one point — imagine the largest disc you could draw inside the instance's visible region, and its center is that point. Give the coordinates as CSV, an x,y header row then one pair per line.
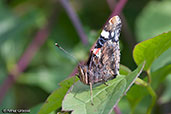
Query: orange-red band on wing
x,y
97,51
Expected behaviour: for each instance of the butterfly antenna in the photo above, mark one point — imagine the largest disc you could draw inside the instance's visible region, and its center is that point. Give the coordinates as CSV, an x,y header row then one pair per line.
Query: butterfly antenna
x,y
57,45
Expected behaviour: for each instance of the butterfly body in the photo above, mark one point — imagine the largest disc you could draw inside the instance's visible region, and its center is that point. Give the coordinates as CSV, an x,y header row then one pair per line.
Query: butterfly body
x,y
104,59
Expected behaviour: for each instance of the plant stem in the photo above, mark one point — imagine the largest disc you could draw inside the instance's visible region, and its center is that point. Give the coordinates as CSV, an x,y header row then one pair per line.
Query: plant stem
x,y
39,39
154,97
119,7
149,76
151,91
128,36
75,20
141,82
117,110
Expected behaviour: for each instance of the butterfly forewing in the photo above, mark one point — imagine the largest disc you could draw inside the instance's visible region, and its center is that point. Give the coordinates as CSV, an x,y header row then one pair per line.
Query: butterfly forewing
x,y
103,63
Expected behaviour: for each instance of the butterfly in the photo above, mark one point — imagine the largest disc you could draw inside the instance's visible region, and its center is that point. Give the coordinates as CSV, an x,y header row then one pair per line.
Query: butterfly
x,y
104,59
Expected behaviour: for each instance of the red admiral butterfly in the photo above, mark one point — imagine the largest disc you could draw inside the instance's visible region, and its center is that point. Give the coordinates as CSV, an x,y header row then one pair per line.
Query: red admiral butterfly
x,y
103,63
104,59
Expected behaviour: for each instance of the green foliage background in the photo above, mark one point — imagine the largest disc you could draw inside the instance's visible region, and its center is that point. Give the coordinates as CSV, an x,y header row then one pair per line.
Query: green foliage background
x,y
20,20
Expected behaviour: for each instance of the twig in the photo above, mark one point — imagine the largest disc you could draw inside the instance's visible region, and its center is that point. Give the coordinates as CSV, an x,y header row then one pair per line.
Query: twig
x,y
5,86
119,7
128,36
154,97
37,42
126,30
151,92
149,76
117,11
117,110
74,72
112,4
75,20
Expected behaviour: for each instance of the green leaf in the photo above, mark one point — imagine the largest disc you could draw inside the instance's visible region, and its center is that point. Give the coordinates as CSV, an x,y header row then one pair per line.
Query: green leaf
x,y
124,70
159,76
105,98
131,77
8,100
63,113
13,27
150,49
153,20
35,109
54,101
137,92
164,59
79,99
166,96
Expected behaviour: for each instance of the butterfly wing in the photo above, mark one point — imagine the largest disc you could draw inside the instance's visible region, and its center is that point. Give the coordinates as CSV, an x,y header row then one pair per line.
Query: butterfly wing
x,y
103,63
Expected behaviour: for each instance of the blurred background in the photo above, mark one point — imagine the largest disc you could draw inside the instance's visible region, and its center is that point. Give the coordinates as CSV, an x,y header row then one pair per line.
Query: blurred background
x,y
31,66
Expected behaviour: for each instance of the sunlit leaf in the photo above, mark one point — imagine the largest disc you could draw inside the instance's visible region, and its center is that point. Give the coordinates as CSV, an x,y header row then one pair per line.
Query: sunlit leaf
x,y
164,59
79,99
150,49
131,77
104,97
137,92
166,96
153,20
124,70
12,26
54,101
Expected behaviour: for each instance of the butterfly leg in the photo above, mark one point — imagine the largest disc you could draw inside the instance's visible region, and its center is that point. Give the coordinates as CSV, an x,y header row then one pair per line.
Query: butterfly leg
x,y
105,84
91,93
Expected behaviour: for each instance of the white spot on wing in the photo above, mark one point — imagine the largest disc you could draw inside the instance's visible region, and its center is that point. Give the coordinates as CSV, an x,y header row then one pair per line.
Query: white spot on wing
x,y
116,38
112,34
98,54
105,34
117,35
94,51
